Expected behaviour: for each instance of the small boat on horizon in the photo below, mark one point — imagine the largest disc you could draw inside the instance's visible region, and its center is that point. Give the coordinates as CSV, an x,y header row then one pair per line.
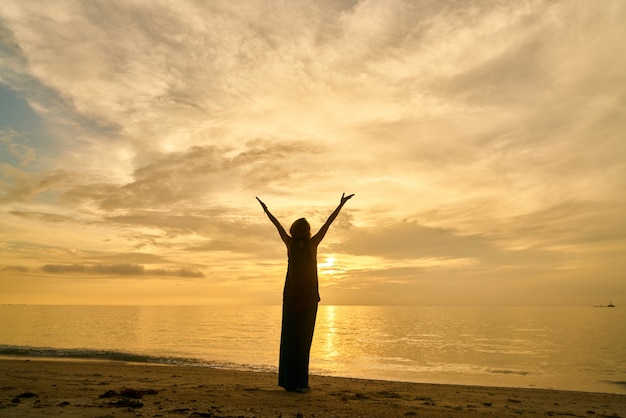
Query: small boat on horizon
x,y
610,305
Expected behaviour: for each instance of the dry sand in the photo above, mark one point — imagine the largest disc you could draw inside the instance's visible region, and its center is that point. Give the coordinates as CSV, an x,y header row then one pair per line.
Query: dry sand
x,y
39,387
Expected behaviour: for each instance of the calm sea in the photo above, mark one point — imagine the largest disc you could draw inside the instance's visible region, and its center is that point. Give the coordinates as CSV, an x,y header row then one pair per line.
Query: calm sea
x,y
560,348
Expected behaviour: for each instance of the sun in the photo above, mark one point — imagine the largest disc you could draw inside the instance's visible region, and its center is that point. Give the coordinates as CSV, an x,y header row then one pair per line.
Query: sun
x,y
327,267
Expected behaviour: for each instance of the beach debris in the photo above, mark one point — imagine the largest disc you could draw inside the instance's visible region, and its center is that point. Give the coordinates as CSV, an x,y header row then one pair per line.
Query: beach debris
x,y
426,400
27,395
128,393
108,394
128,397
24,395
126,403
389,394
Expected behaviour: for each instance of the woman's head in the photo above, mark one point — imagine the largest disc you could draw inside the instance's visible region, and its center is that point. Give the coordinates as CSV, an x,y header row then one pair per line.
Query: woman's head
x,y
300,229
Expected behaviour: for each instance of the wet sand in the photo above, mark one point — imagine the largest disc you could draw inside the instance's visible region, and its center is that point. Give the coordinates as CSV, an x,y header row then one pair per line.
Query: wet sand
x,y
51,388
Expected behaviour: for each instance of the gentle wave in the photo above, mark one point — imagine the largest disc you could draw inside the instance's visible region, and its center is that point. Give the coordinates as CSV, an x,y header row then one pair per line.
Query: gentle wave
x,y
111,355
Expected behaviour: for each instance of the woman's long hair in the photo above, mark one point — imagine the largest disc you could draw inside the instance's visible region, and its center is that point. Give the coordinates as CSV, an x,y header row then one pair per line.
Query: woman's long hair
x,y
300,229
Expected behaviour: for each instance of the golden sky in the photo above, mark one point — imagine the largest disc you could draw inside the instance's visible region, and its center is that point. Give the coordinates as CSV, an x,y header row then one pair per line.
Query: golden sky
x,y
484,140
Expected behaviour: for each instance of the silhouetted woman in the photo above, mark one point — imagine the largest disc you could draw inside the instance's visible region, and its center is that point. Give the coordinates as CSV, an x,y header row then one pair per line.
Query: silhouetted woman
x,y
300,298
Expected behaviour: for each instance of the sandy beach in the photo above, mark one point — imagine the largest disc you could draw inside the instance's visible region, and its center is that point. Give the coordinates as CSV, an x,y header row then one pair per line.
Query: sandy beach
x,y
46,387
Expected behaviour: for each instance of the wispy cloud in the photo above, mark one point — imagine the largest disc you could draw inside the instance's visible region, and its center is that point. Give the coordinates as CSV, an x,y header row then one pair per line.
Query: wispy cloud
x,y
20,186
16,269
120,270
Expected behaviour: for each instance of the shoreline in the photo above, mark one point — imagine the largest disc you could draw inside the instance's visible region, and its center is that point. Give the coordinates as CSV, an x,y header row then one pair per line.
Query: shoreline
x,y
38,387
616,387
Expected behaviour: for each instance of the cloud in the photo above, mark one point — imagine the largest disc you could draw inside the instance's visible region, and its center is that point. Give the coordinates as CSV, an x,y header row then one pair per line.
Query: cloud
x,y
575,226
43,217
16,269
25,154
197,174
19,186
120,270
130,258
187,273
411,240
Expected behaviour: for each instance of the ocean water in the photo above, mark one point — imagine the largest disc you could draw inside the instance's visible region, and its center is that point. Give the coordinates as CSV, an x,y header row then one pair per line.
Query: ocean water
x,y
560,348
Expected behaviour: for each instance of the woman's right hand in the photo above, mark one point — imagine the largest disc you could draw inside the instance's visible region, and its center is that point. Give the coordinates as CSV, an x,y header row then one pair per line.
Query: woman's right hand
x,y
345,198
263,205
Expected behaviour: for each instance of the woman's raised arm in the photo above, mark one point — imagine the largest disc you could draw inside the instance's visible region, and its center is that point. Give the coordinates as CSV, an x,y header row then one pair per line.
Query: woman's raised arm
x,y
317,238
281,231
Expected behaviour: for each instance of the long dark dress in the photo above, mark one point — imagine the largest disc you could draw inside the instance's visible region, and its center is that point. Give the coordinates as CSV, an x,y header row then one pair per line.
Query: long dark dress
x,y
300,299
